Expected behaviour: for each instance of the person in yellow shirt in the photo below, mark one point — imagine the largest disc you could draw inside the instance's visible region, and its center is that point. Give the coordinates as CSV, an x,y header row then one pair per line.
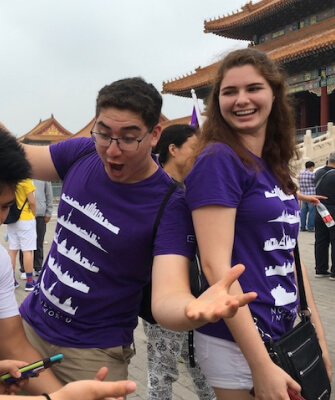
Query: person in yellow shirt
x,y
22,234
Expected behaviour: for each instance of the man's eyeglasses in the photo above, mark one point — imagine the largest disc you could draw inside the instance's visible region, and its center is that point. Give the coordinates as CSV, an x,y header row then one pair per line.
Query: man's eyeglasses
x,y
125,143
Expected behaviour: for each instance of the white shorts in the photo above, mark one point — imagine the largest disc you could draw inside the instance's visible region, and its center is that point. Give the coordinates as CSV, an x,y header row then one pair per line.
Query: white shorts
x,y
222,362
22,235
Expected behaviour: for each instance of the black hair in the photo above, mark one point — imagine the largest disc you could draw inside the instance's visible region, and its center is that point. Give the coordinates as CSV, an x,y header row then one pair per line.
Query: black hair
x,y
132,94
14,167
309,164
174,134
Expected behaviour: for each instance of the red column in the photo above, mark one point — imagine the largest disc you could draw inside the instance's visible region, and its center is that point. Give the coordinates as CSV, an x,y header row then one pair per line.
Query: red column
x,y
324,106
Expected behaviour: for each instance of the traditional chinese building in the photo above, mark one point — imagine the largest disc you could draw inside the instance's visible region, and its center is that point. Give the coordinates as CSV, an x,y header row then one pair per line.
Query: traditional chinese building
x,y
298,34
46,132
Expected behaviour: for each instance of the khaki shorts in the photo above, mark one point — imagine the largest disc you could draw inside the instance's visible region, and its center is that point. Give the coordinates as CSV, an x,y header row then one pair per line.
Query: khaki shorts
x,y
82,363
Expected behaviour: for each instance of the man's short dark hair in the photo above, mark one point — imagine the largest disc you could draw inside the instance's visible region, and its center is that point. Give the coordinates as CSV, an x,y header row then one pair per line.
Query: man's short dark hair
x,y
132,94
309,164
14,167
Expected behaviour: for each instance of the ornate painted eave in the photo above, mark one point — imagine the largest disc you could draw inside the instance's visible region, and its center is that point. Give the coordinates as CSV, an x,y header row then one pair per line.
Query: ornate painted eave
x,y
48,131
303,43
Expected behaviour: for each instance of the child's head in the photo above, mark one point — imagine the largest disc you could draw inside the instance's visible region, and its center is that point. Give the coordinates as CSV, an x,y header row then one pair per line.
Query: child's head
x,y
14,167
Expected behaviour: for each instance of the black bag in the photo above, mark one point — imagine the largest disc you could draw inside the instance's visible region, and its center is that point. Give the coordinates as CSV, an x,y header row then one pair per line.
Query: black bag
x,y
145,305
298,351
14,213
198,281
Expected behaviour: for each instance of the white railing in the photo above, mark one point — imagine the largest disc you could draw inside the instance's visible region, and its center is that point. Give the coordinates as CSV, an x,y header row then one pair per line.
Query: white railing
x,y
316,149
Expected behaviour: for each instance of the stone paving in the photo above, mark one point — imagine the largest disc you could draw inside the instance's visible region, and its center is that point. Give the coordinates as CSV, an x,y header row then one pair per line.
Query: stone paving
x,y
324,293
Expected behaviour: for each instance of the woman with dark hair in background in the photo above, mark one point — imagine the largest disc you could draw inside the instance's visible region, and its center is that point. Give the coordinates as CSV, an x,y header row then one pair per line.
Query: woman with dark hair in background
x,y
175,150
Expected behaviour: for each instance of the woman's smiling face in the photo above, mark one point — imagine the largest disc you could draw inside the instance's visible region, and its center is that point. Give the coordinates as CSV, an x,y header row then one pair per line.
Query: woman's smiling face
x,y
245,100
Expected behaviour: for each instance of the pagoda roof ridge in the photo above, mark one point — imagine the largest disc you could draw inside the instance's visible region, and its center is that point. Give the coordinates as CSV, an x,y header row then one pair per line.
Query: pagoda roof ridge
x,y
249,13
200,72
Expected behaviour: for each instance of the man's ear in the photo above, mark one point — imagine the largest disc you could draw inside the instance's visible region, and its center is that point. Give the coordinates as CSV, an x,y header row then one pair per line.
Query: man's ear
x,y
156,134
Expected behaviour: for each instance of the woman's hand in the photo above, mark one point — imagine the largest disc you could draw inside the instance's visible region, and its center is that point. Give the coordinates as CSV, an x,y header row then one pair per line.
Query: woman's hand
x,y
272,383
216,302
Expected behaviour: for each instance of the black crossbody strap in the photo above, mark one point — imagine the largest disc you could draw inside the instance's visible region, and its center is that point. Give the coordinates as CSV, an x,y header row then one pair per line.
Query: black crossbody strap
x,y
300,280
23,205
320,179
161,208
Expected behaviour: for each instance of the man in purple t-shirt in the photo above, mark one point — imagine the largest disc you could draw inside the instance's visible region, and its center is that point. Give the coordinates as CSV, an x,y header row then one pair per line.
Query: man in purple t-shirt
x,y
86,300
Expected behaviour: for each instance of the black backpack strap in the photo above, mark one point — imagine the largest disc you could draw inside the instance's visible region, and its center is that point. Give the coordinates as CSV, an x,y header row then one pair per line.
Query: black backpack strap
x,y
145,305
161,208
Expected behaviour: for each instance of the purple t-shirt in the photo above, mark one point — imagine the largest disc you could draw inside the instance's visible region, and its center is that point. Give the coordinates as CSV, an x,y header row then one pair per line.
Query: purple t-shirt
x,y
266,229
89,292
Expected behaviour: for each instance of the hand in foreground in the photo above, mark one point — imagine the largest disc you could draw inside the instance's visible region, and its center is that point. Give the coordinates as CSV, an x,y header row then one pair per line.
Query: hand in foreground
x,y
12,367
94,390
272,383
216,302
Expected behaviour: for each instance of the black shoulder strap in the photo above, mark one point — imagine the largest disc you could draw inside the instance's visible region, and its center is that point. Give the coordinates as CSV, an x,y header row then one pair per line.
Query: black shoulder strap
x,y
320,179
23,205
300,280
161,208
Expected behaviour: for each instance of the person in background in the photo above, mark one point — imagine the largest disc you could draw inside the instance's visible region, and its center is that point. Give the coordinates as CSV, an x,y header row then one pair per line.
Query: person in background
x,y
175,150
244,210
44,205
22,234
324,236
306,181
101,256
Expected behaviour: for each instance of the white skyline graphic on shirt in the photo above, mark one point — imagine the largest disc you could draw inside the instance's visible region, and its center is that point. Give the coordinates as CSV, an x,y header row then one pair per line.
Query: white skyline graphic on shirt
x,y
91,211
277,192
65,306
285,243
282,297
288,218
281,270
88,236
74,254
65,277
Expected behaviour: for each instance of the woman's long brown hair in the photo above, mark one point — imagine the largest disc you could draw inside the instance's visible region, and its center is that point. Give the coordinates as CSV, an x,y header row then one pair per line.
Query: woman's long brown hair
x,y
280,144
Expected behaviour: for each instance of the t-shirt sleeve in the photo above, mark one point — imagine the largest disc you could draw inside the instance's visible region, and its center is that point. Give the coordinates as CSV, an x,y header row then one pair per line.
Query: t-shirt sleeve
x,y
218,177
65,154
8,304
175,233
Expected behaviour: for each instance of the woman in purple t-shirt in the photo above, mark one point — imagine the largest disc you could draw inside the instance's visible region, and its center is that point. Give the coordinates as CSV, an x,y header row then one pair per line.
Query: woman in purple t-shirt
x,y
244,210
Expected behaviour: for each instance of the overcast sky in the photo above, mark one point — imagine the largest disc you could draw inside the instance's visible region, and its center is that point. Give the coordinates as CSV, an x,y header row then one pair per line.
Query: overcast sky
x,y
57,54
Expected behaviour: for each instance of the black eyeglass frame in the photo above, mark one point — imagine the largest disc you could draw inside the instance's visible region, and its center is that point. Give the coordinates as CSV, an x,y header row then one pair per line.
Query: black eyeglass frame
x,y
133,140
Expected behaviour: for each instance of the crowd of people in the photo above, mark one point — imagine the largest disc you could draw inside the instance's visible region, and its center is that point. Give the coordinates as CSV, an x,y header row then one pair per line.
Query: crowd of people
x,y
236,202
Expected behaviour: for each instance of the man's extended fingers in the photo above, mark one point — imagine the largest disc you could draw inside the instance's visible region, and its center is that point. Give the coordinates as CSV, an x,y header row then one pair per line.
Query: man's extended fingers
x,y
246,298
232,275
